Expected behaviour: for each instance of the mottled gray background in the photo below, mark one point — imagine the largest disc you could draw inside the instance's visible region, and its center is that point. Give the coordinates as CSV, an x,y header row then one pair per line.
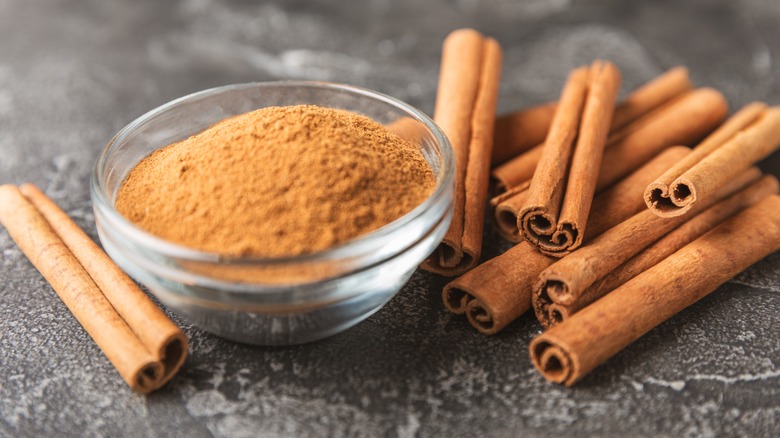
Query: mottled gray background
x,y
72,73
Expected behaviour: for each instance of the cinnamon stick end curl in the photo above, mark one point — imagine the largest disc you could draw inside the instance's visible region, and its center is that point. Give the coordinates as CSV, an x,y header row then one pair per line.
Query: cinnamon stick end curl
x,y
552,361
450,261
670,201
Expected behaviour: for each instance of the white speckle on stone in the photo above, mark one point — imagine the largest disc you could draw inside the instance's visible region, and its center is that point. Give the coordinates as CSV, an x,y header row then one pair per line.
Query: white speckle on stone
x,y
636,385
208,403
746,336
410,429
677,385
738,378
276,366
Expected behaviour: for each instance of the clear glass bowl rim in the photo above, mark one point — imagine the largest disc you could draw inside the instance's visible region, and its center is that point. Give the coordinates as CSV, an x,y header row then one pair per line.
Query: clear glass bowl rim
x,y
347,249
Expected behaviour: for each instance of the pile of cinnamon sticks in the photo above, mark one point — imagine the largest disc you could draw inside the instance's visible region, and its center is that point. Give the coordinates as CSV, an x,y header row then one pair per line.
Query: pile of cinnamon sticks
x,y
623,213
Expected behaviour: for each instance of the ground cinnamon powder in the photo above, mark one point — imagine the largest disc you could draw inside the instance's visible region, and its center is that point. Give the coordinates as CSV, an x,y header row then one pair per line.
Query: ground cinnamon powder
x,y
279,181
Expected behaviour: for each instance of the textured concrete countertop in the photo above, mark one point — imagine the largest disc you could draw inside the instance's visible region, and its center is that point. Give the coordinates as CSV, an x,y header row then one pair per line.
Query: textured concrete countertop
x,y
72,73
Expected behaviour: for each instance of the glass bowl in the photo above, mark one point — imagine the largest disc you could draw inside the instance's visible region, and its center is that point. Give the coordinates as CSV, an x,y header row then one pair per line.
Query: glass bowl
x,y
273,301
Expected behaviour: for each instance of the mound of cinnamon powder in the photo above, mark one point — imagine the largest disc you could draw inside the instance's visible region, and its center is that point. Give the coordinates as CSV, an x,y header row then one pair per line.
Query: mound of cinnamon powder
x,y
279,181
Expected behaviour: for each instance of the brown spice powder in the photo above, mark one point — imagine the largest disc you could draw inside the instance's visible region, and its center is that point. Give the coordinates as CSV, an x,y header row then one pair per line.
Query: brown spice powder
x,y
279,181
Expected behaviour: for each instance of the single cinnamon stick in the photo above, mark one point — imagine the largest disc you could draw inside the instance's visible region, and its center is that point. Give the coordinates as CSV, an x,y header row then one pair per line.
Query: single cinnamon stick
x,y
157,333
520,131
561,191
751,135
570,350
683,121
498,291
650,96
666,246
465,110
566,280
39,242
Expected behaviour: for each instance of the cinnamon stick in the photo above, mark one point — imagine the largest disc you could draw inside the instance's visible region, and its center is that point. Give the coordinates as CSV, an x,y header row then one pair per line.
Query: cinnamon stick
x,y
566,280
520,131
682,121
569,351
465,110
498,291
666,246
749,136
561,191
144,346
650,96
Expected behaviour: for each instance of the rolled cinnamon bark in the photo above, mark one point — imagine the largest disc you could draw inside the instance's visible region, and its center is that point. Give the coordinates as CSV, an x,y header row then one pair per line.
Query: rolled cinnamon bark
x,y
520,131
570,350
465,110
157,333
645,99
40,243
498,291
683,121
666,246
561,191
749,136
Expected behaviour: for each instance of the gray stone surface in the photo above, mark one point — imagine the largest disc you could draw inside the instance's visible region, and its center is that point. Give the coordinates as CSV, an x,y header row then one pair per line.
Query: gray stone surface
x,y
72,73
